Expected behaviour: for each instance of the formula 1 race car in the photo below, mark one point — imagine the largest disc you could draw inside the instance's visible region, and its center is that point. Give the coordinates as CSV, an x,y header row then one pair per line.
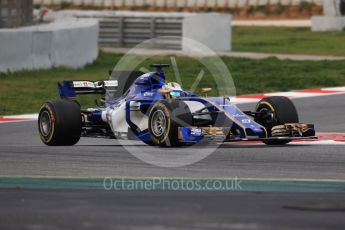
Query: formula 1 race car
x,y
143,106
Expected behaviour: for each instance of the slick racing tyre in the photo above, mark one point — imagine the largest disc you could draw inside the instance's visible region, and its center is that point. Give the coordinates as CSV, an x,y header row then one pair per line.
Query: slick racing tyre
x,y
165,119
277,111
59,123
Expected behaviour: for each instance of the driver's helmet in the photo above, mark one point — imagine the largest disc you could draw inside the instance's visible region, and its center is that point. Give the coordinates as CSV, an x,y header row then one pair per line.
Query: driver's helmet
x,y
175,89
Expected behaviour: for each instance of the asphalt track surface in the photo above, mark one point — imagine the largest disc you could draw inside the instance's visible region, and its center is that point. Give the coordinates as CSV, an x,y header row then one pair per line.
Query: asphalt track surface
x,y
80,209
22,154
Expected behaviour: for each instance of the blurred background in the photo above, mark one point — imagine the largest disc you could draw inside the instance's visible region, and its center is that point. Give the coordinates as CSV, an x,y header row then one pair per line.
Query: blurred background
x,y
268,45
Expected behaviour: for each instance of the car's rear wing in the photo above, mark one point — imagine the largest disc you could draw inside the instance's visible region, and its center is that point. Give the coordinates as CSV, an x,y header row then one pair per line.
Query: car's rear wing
x,y
70,89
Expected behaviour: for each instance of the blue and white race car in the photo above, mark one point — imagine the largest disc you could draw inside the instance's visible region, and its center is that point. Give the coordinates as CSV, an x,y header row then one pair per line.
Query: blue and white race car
x,y
145,107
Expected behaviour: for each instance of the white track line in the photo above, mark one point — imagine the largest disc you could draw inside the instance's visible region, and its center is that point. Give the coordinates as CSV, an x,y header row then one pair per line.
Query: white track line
x,y
292,94
322,142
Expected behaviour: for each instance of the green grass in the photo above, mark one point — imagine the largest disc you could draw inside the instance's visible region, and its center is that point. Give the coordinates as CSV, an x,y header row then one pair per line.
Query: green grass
x,y
25,91
288,40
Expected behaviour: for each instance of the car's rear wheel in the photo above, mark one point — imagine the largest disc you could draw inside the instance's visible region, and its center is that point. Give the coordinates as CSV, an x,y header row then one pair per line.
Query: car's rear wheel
x,y
165,119
274,111
59,123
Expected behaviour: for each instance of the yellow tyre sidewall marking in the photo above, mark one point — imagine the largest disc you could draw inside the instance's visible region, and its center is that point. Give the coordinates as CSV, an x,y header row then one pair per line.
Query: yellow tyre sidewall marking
x,y
52,120
168,121
167,114
267,104
270,106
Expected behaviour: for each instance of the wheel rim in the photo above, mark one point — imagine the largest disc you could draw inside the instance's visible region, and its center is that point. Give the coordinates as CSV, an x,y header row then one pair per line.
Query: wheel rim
x,y
45,123
270,113
158,123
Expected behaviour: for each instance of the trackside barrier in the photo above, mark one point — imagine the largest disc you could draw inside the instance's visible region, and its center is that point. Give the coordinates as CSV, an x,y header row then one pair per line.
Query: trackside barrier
x,y
64,42
176,3
127,29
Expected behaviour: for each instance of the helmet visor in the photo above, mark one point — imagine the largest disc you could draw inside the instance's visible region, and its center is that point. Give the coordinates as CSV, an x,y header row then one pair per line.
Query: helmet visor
x,y
175,93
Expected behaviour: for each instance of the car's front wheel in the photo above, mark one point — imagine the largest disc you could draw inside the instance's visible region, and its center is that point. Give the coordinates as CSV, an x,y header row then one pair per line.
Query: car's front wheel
x,y
165,119
274,111
59,123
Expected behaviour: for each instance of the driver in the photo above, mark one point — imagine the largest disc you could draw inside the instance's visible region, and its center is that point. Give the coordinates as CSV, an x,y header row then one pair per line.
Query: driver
x,y
174,88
